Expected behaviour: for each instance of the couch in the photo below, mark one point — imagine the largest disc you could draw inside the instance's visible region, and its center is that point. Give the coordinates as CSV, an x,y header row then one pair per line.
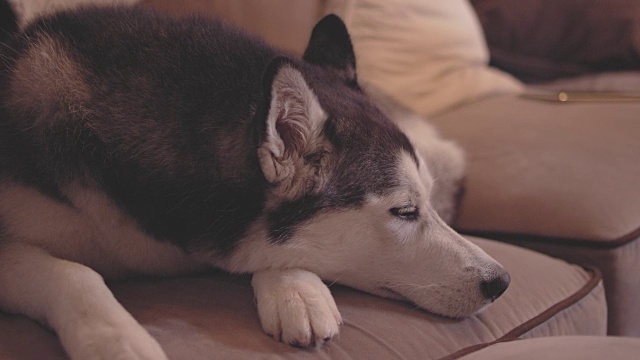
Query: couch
x,y
558,178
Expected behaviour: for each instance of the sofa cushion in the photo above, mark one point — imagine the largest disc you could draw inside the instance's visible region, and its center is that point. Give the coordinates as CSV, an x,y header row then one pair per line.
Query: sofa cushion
x,y
622,81
619,266
562,347
561,178
562,170
539,40
428,55
213,316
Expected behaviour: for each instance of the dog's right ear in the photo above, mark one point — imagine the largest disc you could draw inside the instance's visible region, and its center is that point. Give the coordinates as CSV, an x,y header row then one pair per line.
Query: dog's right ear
x,y
292,144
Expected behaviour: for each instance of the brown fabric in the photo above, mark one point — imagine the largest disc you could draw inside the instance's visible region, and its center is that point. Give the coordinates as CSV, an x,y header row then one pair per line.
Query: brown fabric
x,y
213,316
564,347
625,81
539,40
553,322
558,170
580,317
561,178
619,267
283,23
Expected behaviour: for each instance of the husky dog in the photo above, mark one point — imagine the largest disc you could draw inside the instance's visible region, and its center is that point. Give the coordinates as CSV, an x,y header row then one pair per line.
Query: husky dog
x,y
135,143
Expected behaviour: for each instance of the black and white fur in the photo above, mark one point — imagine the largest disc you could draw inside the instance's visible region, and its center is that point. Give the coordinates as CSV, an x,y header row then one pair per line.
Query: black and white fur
x,y
135,143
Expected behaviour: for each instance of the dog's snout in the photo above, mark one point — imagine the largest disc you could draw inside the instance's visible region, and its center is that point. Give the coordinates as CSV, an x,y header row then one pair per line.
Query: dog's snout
x,y
493,288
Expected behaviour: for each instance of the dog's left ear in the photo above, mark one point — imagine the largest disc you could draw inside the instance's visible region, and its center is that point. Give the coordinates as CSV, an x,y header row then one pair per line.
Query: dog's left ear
x,y
293,147
330,45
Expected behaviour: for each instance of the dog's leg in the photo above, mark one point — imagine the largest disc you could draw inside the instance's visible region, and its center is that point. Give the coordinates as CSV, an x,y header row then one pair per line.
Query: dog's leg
x,y
295,307
75,302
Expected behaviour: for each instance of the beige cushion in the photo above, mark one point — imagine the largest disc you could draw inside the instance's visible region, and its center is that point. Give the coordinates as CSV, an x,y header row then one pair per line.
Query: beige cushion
x,y
619,266
563,170
563,347
561,178
428,55
623,81
213,316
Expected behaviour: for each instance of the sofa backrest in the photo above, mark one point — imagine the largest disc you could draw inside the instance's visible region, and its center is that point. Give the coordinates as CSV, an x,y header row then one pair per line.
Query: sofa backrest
x,y
283,23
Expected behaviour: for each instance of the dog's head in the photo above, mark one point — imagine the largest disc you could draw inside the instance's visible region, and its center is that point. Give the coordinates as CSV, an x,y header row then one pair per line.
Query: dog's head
x,y
349,195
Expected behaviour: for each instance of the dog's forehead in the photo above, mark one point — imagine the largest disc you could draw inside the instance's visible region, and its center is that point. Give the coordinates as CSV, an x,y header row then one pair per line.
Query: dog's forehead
x,y
356,125
369,146
413,175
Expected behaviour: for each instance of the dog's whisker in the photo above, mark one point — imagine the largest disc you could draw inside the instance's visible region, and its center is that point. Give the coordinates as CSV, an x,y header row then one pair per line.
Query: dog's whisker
x,y
333,282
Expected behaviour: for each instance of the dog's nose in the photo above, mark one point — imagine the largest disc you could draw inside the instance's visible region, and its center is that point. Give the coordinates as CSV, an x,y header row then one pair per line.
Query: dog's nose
x,y
492,289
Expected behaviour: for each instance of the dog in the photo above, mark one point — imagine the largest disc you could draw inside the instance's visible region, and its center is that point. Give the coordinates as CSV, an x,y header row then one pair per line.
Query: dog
x,y
134,143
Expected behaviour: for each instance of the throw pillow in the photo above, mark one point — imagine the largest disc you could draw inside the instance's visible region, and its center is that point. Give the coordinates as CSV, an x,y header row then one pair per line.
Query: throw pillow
x,y
429,55
540,40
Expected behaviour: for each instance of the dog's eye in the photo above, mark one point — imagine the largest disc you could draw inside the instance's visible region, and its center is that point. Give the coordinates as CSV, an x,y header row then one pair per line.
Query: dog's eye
x,y
408,213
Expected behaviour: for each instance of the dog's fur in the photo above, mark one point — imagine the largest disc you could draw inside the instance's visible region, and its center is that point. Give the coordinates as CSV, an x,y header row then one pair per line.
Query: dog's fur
x,y
134,143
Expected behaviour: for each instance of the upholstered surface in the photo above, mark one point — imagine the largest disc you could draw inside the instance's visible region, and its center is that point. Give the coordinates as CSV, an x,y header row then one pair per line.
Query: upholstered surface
x,y
563,170
561,178
564,347
619,266
212,316
540,40
623,81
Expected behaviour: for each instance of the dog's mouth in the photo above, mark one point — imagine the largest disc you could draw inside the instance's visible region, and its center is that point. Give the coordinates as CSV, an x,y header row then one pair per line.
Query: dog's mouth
x,y
393,294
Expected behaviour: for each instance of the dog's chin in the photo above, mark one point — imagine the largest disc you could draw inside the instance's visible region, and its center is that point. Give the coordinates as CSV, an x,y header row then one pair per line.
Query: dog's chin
x,y
482,308
392,294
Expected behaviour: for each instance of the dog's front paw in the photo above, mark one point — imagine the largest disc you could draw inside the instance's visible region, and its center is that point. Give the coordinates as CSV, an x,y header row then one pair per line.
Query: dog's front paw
x,y
296,307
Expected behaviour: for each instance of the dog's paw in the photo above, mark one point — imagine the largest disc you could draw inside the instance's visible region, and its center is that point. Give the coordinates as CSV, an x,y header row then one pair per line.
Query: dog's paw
x,y
296,307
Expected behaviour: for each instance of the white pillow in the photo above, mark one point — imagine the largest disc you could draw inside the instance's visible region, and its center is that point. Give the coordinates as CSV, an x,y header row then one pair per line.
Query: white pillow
x,y
429,55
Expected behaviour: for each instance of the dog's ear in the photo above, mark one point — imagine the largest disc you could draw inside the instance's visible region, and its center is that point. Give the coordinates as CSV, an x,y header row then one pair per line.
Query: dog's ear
x,y
292,146
330,45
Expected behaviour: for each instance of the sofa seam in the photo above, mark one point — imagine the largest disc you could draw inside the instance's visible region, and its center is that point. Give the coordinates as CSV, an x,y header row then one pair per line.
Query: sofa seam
x,y
558,240
592,296
515,333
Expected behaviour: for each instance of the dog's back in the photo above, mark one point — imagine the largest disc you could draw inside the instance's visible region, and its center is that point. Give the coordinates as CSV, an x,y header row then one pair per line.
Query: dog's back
x,y
164,115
